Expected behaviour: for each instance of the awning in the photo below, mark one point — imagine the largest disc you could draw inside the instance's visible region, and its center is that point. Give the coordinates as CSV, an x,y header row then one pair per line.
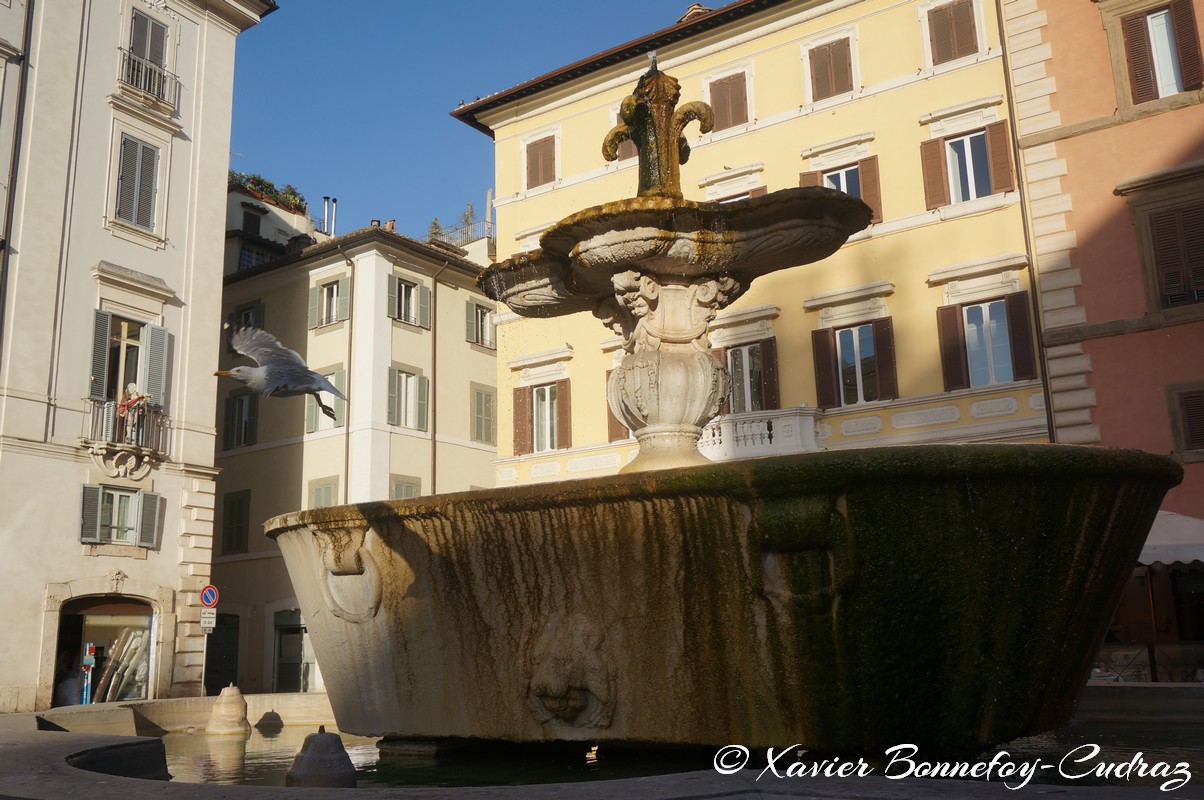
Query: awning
x,y
1174,537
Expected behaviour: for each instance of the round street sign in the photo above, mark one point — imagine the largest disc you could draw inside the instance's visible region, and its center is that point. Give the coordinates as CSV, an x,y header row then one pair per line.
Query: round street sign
x,y
209,596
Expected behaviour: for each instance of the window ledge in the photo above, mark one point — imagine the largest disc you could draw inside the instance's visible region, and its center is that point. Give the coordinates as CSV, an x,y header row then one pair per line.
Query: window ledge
x,y
135,234
115,551
411,324
145,107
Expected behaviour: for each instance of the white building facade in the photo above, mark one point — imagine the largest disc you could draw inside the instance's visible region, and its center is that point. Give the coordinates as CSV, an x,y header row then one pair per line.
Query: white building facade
x,y
115,132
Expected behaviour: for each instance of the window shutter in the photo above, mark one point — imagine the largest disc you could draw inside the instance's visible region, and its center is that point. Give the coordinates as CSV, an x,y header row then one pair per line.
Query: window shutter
x,y
313,307
139,36
932,162
884,352
424,307
842,66
952,334
616,430
770,397
391,308
1187,40
420,404
252,417
758,191
1020,335
940,34
524,421
89,526
999,160
228,425
564,416
127,179
148,162
1171,265
311,414
157,44
393,411
725,407
258,315
470,322
821,72
340,405
814,178
102,322
148,520
965,38
729,101
156,365
871,191
541,162
344,298
1191,411
1140,58
827,370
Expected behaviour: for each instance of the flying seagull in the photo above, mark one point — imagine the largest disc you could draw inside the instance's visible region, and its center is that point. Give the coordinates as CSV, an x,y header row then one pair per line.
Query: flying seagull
x,y
281,372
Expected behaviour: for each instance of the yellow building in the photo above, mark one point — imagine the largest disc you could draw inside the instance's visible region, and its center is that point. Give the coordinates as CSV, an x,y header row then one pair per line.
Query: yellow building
x,y
400,327
918,330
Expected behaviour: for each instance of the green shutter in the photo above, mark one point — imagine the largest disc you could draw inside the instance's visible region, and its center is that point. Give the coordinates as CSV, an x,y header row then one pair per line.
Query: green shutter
x,y
252,417
148,166
420,406
101,323
313,307
156,364
257,314
89,528
470,323
148,519
340,406
424,306
311,414
391,309
127,179
344,298
228,426
394,379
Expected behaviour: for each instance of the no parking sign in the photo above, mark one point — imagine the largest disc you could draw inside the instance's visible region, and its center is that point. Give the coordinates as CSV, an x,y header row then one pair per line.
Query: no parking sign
x,y
209,596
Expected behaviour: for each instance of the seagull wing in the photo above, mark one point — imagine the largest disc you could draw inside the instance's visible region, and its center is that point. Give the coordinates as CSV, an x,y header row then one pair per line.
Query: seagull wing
x,y
265,349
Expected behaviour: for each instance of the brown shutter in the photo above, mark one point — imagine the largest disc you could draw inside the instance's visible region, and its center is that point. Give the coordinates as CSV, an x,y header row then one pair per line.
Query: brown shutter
x,y
999,145
932,163
616,430
871,191
1187,40
815,178
564,416
758,191
770,394
1178,243
842,67
884,352
965,38
952,334
940,34
1191,411
729,102
827,369
720,353
1139,57
739,100
1020,335
821,72
524,421
541,162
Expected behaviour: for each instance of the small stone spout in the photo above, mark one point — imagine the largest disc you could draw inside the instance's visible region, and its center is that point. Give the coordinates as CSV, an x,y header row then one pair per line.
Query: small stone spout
x,y
650,122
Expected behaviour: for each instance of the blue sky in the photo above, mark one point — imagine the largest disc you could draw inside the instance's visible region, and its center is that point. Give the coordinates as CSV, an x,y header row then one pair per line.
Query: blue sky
x,y
355,102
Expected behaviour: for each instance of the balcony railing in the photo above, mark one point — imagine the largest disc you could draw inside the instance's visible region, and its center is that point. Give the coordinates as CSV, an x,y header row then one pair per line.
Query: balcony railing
x,y
126,444
760,433
146,76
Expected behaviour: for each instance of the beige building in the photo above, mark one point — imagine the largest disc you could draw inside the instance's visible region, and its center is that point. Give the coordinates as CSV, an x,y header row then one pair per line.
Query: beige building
x,y
115,132
919,330
399,326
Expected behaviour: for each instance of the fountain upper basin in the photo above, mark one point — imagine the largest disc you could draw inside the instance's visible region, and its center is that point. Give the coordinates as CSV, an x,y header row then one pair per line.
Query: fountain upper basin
x,y
950,596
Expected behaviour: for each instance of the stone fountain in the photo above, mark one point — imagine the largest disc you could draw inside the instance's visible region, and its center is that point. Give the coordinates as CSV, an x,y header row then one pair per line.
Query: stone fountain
x,y
950,596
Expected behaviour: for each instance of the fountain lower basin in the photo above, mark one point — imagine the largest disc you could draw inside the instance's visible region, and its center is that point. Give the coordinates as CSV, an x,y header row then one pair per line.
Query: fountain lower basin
x,y
950,596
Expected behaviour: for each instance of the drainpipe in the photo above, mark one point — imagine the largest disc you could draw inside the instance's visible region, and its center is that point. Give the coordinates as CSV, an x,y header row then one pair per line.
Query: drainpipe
x,y
432,406
347,384
13,164
1030,250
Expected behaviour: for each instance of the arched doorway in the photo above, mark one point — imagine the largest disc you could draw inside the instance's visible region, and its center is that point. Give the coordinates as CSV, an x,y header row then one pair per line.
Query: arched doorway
x,y
104,648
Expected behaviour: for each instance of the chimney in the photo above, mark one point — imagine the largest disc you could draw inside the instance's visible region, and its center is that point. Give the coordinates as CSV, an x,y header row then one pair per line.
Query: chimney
x,y
325,212
391,225
334,211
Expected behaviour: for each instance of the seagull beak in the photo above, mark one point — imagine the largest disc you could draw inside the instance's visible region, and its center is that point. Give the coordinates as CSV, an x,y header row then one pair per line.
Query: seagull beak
x,y
221,373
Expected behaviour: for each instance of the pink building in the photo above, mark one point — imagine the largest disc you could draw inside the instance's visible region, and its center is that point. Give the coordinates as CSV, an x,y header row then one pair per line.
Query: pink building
x,y
1110,122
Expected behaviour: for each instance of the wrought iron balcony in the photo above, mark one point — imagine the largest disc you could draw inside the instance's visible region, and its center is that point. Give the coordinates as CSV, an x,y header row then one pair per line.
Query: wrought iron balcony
x,y
125,443
760,433
150,78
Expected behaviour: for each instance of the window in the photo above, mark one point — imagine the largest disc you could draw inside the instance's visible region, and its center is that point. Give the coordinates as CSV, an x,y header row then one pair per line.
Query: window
x,y
249,256
541,162
1162,51
967,166
408,395
404,487
136,182
236,521
126,352
1168,215
754,372
329,302
242,411
248,315
251,221
951,31
315,419
859,180
855,364
729,101
112,515
985,343
542,418
144,65
478,325
484,415
1191,419
831,67
323,492
409,302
